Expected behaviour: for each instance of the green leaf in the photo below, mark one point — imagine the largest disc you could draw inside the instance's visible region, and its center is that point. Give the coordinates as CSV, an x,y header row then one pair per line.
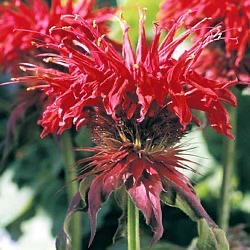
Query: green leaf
x,y
84,187
174,200
121,200
63,241
210,238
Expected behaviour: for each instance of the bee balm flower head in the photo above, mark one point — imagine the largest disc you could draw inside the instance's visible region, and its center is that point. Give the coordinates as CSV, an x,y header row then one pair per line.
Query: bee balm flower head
x,y
137,105
136,84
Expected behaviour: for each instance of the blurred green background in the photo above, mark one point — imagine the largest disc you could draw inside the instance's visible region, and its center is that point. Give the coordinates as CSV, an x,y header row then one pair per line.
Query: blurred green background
x,y
32,177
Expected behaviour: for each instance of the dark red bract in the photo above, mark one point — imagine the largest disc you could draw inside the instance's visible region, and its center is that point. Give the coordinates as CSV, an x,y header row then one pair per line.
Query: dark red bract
x,y
144,159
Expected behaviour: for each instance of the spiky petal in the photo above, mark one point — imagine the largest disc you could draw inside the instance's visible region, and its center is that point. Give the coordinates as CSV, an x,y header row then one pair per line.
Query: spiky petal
x,y
135,83
144,159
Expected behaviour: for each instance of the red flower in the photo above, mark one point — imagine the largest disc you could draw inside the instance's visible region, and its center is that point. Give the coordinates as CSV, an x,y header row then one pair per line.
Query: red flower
x,y
132,84
137,106
233,14
214,64
144,159
22,23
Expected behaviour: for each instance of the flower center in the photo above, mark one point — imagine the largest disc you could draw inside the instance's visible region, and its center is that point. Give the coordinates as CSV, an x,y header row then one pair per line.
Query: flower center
x,y
156,133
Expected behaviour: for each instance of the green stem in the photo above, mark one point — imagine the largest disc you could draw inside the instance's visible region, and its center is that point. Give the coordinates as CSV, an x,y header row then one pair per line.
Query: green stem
x,y
228,167
133,226
72,187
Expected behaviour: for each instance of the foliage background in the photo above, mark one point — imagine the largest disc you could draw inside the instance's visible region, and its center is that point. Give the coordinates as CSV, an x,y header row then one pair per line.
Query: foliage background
x,y
38,165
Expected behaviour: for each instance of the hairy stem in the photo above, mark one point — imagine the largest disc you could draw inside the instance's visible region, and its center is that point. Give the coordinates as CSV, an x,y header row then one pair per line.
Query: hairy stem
x,y
228,167
133,226
72,188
